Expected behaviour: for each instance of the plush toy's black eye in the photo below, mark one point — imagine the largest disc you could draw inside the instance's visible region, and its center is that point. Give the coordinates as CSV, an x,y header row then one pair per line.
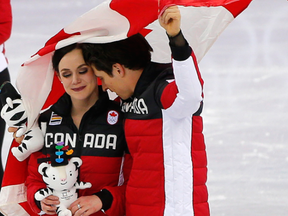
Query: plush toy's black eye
x,y
71,173
54,178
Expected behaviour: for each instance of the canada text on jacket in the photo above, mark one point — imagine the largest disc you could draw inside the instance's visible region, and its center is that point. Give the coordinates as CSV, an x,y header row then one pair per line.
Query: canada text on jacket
x,y
90,140
137,106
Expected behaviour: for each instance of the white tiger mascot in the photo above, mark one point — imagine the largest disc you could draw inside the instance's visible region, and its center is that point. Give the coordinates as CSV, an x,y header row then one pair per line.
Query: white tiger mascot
x,y
62,182
15,115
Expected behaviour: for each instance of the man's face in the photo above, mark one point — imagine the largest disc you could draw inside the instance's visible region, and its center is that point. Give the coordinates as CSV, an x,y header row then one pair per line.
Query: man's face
x,y
116,83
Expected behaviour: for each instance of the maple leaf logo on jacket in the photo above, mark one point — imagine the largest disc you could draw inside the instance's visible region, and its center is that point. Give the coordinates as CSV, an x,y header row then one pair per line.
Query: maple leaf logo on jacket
x,y
112,117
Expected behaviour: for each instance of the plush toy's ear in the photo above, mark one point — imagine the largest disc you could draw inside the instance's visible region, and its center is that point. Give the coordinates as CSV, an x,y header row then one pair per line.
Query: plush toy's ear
x,y
77,161
42,169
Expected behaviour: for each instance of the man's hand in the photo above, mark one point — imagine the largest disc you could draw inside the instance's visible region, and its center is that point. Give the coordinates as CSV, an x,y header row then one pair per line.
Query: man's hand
x,y
170,20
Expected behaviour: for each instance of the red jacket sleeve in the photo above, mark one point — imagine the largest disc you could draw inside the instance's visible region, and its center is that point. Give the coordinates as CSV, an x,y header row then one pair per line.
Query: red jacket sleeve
x,y
118,205
5,20
34,181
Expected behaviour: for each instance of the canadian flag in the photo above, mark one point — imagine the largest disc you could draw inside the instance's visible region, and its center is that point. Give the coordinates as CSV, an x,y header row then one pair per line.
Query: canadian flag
x,y
202,22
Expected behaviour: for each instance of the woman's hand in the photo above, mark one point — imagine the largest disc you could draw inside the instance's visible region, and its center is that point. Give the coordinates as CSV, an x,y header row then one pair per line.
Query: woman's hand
x,y
170,20
86,205
48,204
14,130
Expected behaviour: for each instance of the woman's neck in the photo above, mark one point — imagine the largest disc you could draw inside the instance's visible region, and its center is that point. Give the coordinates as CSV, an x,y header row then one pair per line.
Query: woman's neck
x,y
80,107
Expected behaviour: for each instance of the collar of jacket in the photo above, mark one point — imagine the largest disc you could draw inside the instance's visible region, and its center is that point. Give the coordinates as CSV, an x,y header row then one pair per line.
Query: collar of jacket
x,y
149,74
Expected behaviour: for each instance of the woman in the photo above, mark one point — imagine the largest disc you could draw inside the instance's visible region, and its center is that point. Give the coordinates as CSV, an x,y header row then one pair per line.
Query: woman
x,y
91,124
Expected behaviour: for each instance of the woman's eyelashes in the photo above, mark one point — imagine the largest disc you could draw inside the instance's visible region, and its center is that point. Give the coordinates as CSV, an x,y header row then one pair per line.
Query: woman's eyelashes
x,y
66,75
83,71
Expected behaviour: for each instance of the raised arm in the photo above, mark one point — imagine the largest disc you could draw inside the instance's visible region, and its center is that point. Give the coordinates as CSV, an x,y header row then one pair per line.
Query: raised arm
x,y
187,86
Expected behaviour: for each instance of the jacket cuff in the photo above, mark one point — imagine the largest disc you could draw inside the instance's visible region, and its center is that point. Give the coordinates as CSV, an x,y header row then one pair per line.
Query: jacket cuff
x,y
106,198
179,47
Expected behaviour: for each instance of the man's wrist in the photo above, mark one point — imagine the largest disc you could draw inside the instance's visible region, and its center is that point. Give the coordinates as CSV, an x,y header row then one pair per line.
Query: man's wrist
x,y
179,47
106,198
177,40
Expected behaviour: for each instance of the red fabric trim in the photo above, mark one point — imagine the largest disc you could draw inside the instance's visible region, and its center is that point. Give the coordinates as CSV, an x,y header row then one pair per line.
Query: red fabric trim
x,y
169,94
198,71
199,158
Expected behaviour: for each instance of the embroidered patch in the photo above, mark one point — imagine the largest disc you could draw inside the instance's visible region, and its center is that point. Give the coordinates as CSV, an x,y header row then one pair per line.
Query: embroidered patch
x,y
55,119
112,117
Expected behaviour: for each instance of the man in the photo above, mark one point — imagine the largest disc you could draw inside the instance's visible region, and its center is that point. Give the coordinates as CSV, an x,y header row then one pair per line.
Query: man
x,y
163,126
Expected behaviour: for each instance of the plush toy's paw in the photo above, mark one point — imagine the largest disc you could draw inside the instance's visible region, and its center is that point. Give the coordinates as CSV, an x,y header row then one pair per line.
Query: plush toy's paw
x,y
14,114
12,109
43,193
18,153
88,185
21,130
65,212
83,185
33,141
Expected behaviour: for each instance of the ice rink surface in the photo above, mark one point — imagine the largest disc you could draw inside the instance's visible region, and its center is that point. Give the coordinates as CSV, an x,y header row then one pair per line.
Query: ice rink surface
x,y
245,106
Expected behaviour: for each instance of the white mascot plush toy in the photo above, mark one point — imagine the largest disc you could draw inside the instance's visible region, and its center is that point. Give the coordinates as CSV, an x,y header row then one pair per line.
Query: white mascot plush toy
x,y
62,182
15,115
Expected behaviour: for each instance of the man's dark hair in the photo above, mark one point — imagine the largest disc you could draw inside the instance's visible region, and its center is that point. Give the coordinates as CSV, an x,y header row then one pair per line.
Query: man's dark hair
x,y
58,54
133,52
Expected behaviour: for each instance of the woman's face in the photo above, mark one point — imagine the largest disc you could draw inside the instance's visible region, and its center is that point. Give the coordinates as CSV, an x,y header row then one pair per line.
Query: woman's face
x,y
77,77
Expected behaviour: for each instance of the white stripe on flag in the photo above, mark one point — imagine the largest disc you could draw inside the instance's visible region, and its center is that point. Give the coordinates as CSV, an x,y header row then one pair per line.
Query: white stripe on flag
x,y
10,196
